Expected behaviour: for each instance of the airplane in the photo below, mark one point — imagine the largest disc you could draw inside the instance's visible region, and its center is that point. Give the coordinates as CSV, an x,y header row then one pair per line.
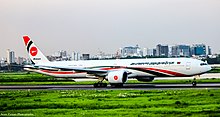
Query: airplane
x,y
116,71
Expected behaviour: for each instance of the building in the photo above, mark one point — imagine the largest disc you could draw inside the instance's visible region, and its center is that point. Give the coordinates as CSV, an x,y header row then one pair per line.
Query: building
x,y
162,50
85,56
151,52
209,50
59,56
10,56
63,53
145,51
75,56
198,50
131,51
180,51
3,62
22,61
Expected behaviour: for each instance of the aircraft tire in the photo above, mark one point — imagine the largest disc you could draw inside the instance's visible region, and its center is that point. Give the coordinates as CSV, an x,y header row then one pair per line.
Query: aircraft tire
x,y
118,85
194,83
99,85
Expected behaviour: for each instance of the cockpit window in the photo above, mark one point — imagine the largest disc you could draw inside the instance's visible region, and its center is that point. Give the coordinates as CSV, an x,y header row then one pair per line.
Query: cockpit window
x,y
203,64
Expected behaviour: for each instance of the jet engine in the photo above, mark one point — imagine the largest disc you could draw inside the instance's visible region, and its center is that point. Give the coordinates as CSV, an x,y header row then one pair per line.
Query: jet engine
x,y
116,77
145,79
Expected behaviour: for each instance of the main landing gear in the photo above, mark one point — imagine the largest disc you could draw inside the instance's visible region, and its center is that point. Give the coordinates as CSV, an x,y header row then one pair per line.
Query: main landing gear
x,y
100,83
117,85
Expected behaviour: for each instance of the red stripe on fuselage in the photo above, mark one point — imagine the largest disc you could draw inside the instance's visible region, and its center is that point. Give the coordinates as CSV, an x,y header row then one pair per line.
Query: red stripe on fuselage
x,y
109,68
150,69
166,71
112,68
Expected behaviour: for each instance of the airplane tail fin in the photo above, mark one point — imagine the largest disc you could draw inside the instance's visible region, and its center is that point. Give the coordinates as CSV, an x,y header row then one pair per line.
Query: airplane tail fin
x,y
34,53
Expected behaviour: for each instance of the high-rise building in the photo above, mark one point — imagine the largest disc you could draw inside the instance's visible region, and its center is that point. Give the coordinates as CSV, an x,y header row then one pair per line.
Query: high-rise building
x,y
151,52
63,53
75,56
145,52
21,60
180,50
198,50
132,51
60,54
85,56
162,50
209,50
10,56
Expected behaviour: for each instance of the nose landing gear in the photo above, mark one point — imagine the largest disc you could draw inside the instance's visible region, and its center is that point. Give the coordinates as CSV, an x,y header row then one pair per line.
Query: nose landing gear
x,y
194,83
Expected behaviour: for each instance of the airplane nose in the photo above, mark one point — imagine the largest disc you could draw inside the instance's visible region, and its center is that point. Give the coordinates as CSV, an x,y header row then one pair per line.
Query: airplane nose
x,y
209,68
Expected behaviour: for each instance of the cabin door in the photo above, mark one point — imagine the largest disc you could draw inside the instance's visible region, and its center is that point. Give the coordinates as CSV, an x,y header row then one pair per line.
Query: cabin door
x,y
188,65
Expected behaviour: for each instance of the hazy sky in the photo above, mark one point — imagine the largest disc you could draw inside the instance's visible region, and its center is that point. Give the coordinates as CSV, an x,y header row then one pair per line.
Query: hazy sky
x,y
91,25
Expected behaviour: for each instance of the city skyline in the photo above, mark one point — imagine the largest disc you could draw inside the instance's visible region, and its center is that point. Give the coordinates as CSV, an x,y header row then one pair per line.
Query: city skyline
x,y
89,26
136,50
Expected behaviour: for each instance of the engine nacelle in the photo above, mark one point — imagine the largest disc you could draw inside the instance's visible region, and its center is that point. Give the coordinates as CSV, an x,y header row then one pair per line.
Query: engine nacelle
x,y
117,77
145,79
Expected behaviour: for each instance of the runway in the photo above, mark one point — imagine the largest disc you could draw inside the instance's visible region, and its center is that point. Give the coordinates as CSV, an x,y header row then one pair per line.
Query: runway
x,y
125,87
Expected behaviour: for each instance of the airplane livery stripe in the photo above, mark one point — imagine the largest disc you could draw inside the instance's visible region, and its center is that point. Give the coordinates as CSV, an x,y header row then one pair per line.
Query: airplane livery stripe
x,y
154,71
29,45
168,72
102,67
158,72
151,72
60,72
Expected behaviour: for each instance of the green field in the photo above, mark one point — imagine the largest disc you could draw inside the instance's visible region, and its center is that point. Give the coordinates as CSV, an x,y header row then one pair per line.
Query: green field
x,y
92,103
127,103
215,70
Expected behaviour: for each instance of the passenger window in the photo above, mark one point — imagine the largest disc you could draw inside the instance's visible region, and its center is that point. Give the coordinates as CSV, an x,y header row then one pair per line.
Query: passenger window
x,y
203,64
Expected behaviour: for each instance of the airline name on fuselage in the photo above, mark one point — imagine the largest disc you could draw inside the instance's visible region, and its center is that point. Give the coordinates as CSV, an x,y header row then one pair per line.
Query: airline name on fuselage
x,y
153,63
36,58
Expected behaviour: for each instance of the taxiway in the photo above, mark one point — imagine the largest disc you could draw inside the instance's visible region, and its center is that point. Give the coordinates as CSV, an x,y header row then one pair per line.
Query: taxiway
x,y
125,87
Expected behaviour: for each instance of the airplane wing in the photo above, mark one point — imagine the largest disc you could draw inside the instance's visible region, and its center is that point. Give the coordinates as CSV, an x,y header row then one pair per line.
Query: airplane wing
x,y
89,71
96,72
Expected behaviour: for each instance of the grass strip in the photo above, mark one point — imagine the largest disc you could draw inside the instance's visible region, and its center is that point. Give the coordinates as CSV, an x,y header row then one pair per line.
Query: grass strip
x,y
191,102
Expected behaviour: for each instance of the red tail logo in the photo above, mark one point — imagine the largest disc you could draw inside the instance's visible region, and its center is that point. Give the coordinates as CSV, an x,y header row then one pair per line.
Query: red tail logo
x,y
33,51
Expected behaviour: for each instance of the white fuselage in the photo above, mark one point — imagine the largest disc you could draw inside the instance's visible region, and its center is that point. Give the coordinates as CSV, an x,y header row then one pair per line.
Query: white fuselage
x,y
152,67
